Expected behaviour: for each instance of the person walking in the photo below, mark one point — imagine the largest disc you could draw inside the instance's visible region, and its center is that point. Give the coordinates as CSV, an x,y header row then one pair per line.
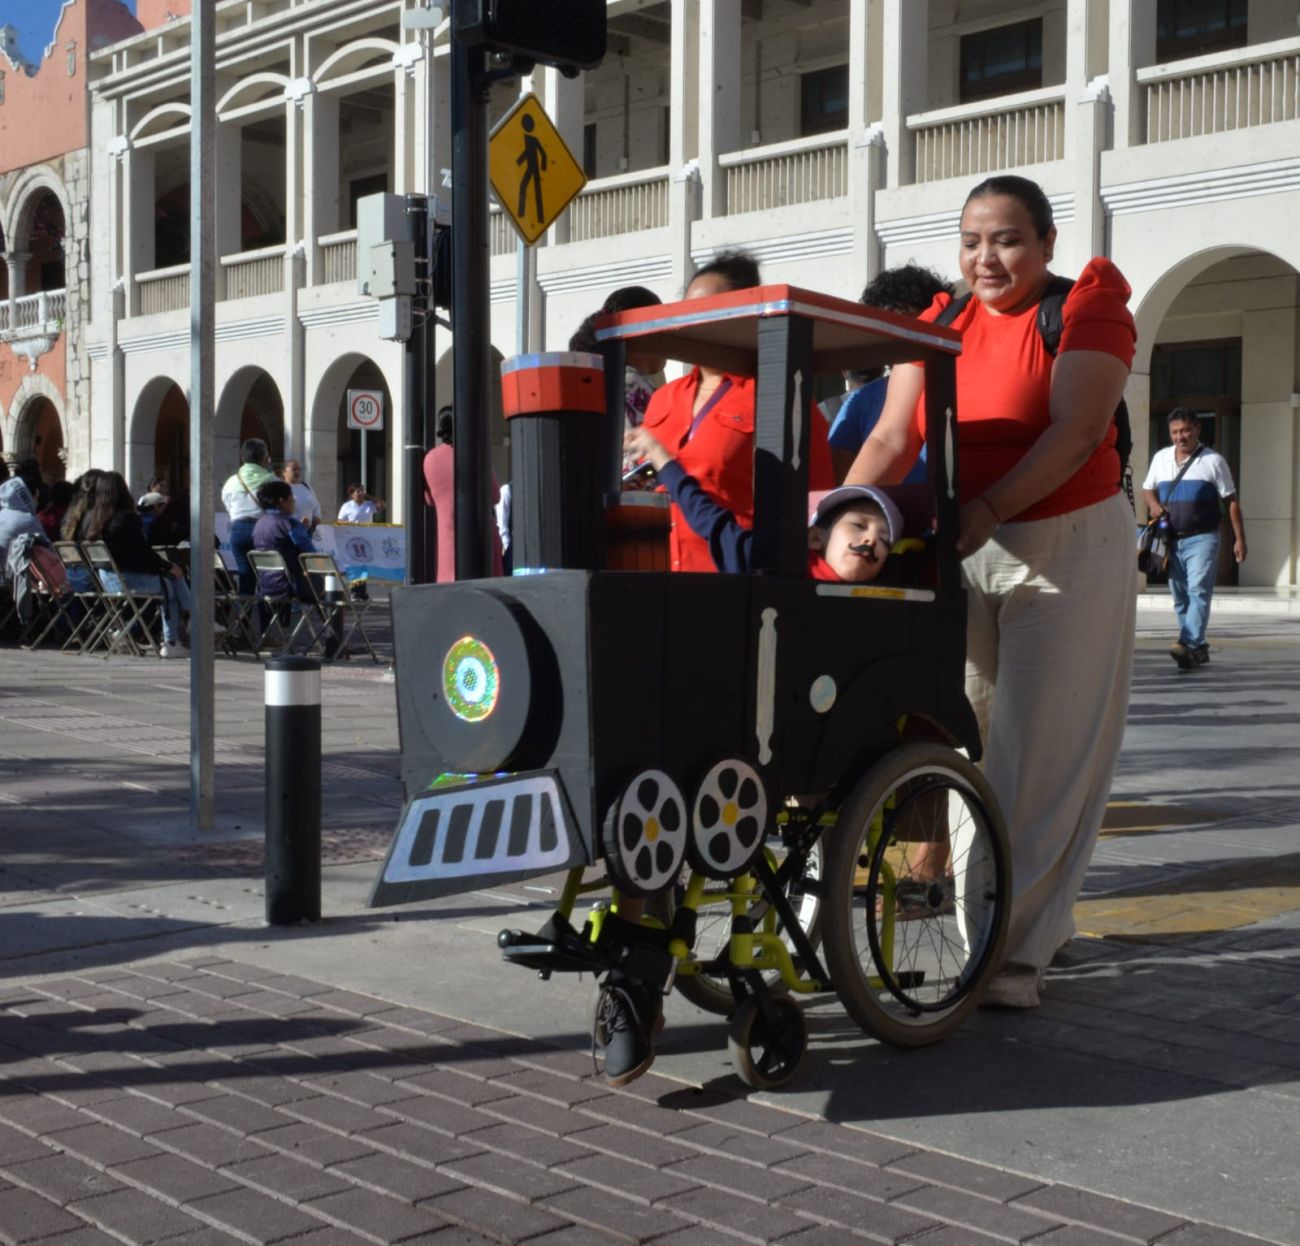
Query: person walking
x,y
1186,482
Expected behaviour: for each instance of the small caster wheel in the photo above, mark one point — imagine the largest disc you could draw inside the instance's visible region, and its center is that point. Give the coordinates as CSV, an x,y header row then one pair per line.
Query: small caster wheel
x,y
767,1053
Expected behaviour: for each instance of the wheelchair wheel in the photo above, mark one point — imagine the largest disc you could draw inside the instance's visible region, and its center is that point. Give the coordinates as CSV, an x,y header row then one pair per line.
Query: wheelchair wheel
x,y
917,895
766,1051
712,992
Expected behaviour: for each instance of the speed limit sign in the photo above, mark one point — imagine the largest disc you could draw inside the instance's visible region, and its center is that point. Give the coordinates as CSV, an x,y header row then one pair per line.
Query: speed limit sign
x,y
366,409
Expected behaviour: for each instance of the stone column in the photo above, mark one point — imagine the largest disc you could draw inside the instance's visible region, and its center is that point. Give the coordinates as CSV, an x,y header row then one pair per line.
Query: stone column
x,y
719,97
320,177
1132,47
229,224
16,262
408,63
684,192
566,105
905,43
1086,116
866,154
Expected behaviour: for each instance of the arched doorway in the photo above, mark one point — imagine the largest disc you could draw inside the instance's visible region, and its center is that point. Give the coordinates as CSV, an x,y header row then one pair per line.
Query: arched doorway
x,y
336,449
46,268
1217,335
39,433
159,445
250,406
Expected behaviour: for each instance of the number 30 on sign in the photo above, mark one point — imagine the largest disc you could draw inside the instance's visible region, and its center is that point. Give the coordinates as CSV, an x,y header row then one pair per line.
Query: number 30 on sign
x,y
366,409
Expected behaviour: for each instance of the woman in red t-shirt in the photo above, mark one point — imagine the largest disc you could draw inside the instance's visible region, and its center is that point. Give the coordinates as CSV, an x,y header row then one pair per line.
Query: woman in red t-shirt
x,y
705,420
1047,540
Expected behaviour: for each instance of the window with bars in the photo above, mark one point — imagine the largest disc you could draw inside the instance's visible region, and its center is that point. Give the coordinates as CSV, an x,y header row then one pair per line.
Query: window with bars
x,y
1196,27
824,100
1001,61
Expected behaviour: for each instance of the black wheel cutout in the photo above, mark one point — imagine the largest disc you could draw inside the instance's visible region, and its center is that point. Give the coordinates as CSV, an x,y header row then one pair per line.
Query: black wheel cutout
x,y
917,895
766,1051
644,835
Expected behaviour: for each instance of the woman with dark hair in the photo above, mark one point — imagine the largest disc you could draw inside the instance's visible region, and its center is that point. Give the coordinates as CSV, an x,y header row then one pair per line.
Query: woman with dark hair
x,y
638,388
111,517
1047,539
705,421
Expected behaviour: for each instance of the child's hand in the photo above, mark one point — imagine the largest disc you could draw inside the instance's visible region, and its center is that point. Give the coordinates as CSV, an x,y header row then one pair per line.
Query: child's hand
x,y
640,442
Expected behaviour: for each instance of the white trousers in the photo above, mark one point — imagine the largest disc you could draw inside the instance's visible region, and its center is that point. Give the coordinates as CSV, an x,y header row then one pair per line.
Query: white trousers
x,y
1049,657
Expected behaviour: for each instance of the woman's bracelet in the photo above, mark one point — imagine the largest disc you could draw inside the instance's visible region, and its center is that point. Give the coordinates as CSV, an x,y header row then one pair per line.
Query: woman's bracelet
x,y
993,510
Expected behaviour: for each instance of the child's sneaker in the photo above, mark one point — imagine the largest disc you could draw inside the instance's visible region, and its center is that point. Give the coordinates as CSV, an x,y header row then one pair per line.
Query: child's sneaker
x,y
173,651
628,1016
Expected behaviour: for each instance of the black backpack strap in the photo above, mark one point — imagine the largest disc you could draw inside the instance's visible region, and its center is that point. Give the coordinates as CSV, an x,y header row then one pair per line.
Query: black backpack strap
x,y
1051,312
953,310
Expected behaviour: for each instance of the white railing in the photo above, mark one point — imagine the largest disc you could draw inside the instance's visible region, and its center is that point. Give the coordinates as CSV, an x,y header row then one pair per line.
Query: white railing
x,y
164,289
35,311
501,237
1003,133
780,174
4,314
338,257
620,205
1225,91
254,272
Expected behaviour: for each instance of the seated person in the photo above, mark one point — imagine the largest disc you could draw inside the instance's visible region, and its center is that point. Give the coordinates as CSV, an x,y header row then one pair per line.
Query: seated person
x,y
279,530
850,532
151,505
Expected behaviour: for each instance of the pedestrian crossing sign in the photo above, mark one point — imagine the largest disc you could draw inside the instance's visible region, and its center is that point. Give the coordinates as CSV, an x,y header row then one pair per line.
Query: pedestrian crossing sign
x,y
533,174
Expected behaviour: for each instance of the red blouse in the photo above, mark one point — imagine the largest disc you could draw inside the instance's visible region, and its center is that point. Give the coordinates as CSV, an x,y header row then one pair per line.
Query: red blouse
x,y
720,455
1004,378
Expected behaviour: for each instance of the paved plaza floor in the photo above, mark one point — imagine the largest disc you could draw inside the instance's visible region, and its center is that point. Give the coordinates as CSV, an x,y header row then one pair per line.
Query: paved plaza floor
x,y
172,1070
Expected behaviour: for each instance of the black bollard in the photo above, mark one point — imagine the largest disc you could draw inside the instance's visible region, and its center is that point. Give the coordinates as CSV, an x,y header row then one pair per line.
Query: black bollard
x,y
293,767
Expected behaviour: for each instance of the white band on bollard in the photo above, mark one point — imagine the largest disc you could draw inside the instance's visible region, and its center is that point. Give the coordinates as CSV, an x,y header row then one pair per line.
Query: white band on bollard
x,y
292,688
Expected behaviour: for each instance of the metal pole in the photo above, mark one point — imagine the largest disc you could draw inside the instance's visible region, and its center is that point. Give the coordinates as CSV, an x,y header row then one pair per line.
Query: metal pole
x,y
364,483
293,774
523,297
203,145
415,385
471,345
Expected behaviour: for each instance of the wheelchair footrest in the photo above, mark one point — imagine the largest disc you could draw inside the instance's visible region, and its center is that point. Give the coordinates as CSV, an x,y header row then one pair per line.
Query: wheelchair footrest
x,y
556,948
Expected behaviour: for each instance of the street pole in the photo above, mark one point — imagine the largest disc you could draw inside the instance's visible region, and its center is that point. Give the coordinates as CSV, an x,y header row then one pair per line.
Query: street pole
x,y
471,357
415,387
203,144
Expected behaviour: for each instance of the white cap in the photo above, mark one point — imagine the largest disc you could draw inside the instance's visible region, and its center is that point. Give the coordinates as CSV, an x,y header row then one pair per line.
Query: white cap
x,y
824,503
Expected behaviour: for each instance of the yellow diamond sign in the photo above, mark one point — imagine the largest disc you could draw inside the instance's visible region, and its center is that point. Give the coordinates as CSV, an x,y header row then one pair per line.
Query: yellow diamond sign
x,y
533,174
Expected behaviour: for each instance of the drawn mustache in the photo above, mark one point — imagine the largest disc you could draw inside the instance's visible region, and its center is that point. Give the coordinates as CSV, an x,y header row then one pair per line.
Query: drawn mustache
x,y
867,548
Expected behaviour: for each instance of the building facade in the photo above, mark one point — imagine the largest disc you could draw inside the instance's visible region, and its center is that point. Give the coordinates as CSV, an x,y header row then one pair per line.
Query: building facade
x,y
830,137
45,237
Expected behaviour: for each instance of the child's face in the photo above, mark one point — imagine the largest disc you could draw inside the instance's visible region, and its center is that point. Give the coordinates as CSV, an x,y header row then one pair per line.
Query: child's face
x,y
288,505
358,495
857,544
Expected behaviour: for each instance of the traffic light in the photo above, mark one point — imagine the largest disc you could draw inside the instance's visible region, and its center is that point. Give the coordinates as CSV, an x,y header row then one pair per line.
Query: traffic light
x,y
569,34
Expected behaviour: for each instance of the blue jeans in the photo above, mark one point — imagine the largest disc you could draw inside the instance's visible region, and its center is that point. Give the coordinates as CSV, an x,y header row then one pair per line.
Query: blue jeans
x,y
241,541
1192,565
176,597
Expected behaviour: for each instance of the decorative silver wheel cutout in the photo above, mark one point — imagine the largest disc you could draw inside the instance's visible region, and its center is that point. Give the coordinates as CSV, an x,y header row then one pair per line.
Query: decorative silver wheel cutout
x,y
645,837
728,819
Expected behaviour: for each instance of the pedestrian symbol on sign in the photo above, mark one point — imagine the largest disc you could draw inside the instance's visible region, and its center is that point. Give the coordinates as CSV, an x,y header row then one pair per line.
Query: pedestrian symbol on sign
x,y
533,152
524,152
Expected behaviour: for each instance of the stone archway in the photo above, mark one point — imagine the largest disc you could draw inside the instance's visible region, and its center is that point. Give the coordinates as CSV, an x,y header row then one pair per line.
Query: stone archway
x,y
36,425
250,406
335,449
1219,334
159,439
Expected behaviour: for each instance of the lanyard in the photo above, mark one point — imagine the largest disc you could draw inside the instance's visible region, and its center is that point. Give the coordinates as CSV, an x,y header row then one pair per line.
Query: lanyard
x,y
714,399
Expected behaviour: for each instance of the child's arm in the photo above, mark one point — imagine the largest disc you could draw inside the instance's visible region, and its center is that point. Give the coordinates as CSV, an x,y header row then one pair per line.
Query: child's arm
x,y
729,543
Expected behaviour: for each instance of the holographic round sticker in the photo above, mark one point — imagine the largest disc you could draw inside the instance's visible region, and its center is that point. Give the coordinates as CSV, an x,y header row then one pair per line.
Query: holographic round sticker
x,y
471,681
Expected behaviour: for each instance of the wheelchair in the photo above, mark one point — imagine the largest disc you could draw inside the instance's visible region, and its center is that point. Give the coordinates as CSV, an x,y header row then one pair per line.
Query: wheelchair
x,y
793,798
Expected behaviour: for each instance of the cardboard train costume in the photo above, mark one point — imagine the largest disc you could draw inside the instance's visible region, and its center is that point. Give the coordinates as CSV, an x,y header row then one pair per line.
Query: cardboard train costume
x,y
649,722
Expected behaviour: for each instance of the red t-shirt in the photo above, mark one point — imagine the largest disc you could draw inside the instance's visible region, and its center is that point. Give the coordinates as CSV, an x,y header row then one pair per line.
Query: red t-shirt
x,y
1003,387
720,455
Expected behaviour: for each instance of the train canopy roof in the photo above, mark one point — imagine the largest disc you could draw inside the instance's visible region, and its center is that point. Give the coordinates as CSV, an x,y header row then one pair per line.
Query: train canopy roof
x,y
722,331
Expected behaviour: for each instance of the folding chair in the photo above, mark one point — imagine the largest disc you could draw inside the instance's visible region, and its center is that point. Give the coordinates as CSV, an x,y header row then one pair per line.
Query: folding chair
x,y
98,613
56,600
135,610
234,610
342,615
282,606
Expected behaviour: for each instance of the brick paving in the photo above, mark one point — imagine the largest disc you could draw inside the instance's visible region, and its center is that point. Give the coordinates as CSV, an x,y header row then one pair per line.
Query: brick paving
x,y
204,1100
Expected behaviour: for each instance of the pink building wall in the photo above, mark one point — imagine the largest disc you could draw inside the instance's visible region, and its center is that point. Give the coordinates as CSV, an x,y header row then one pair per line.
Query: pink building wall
x,y
48,113
151,13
